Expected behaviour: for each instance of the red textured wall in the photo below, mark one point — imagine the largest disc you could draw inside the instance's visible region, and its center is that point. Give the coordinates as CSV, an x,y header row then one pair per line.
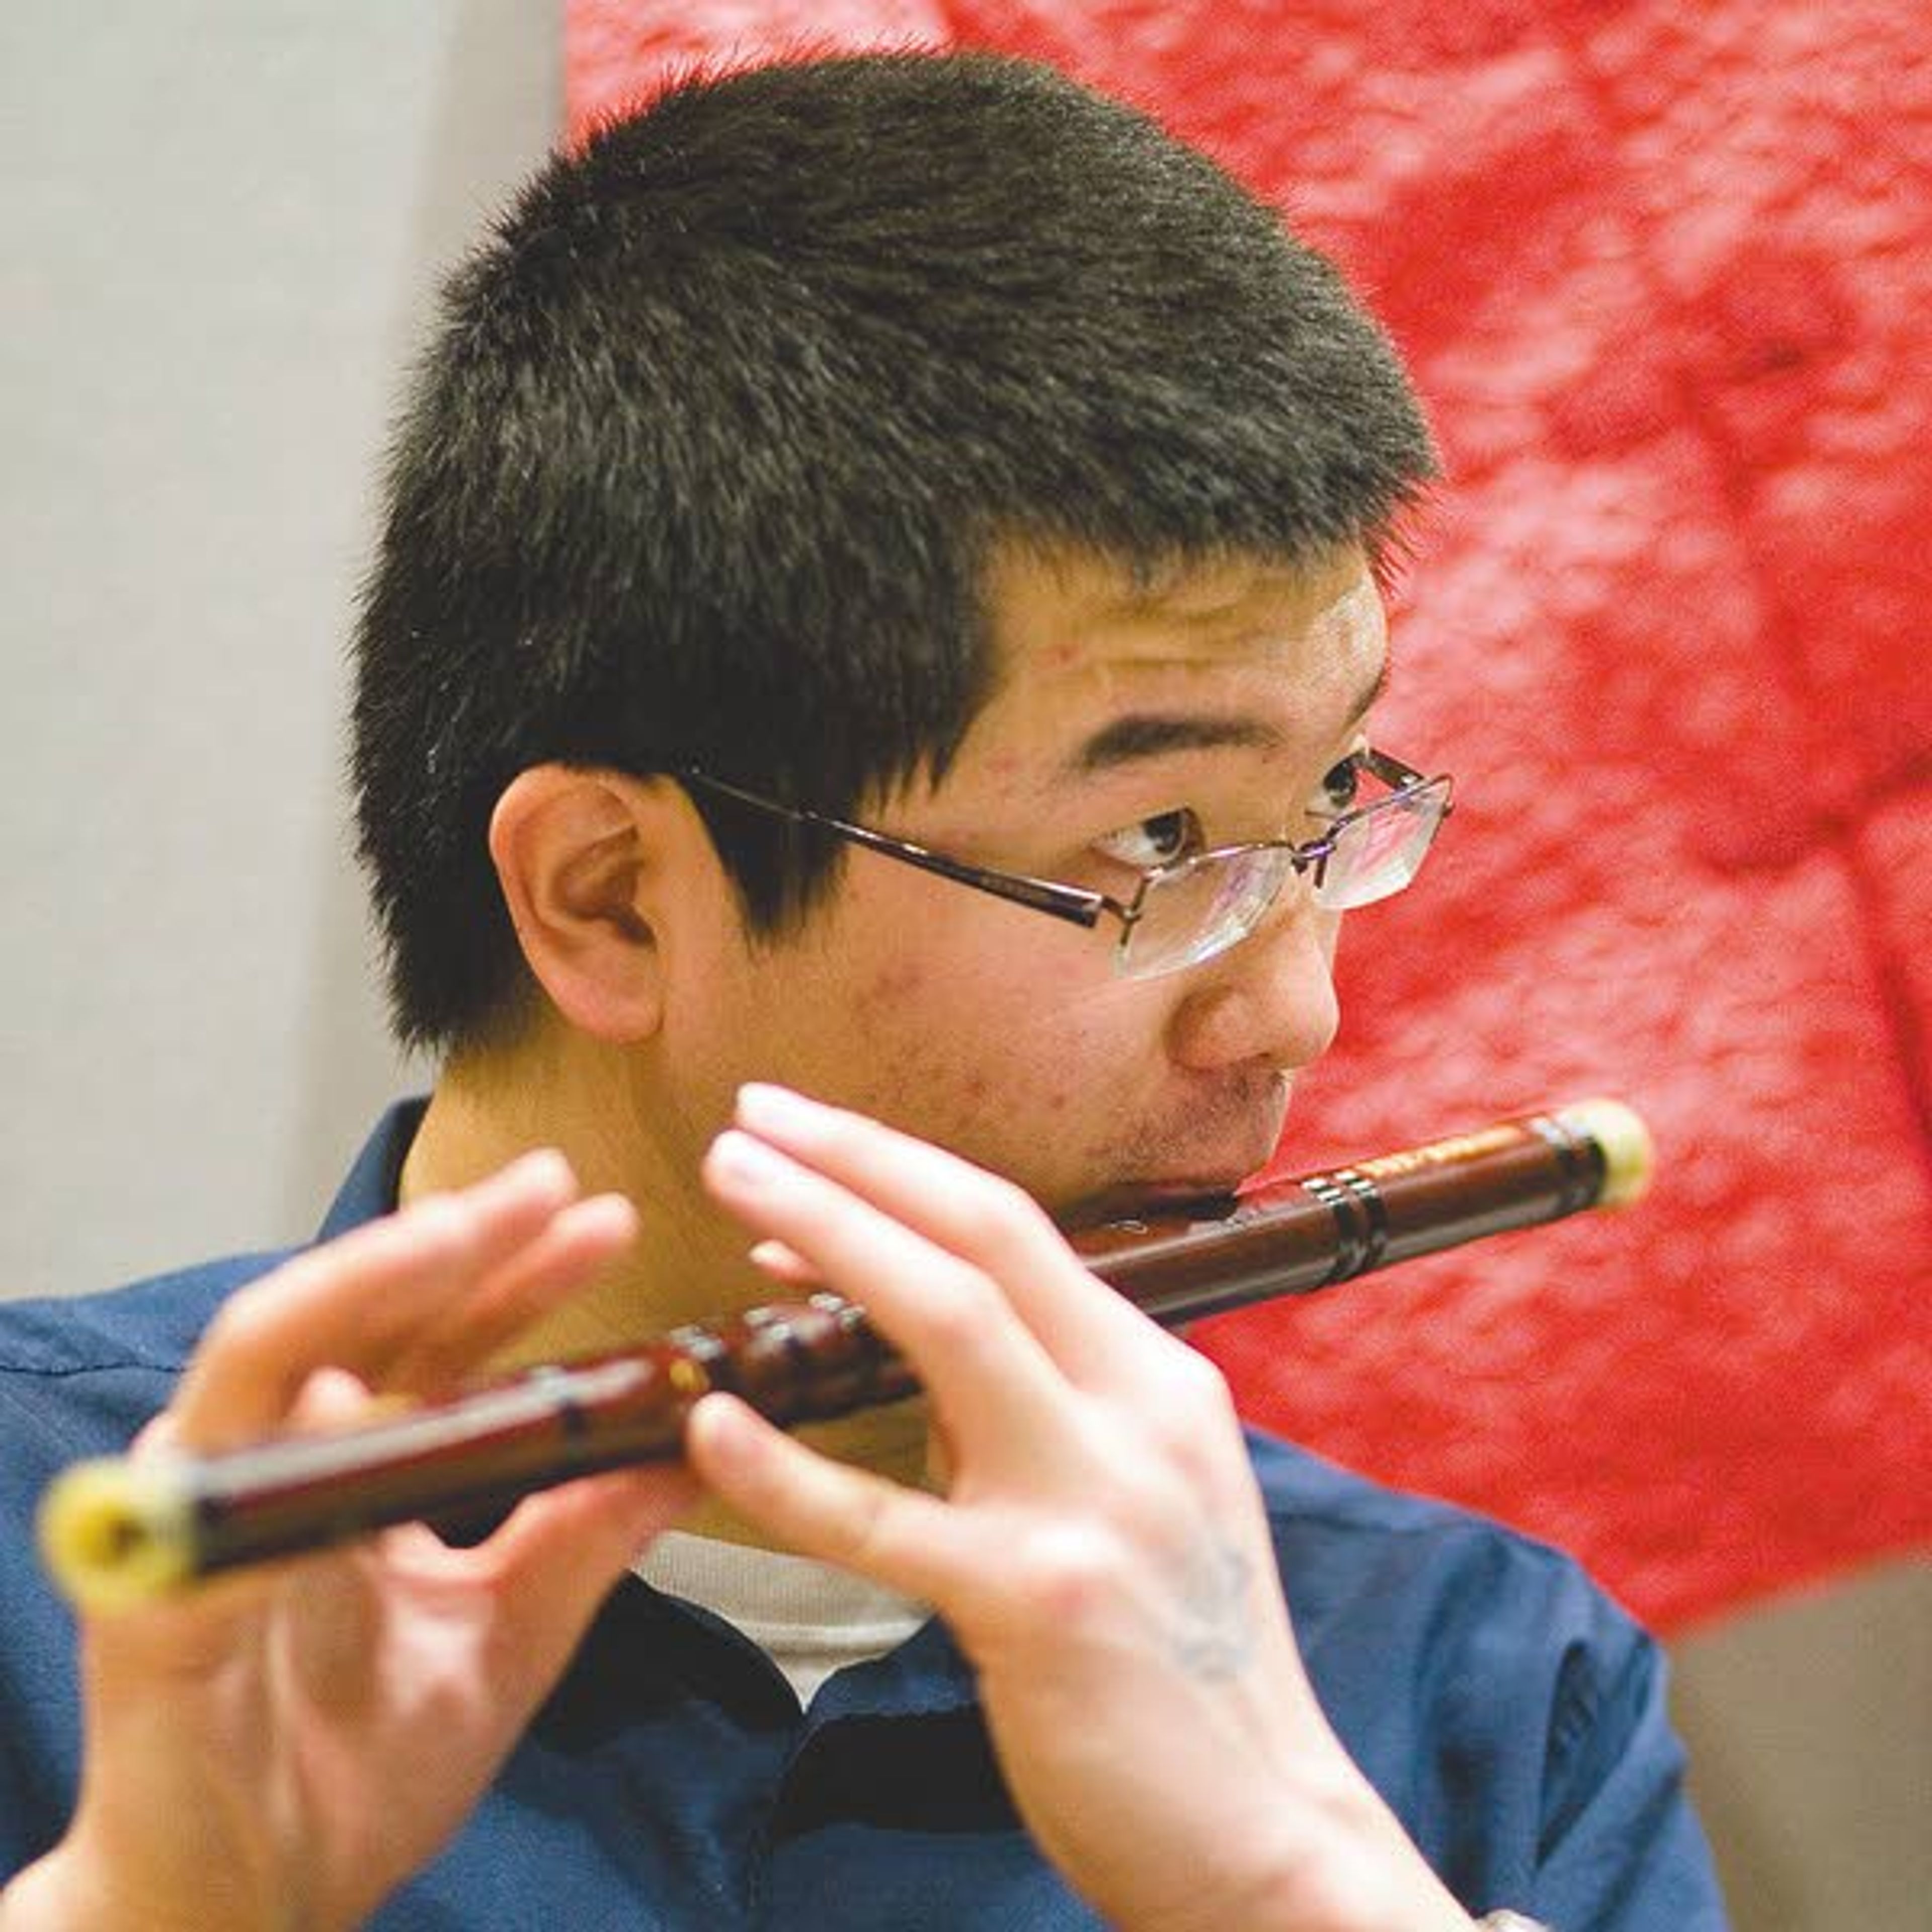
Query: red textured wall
x,y
1664,273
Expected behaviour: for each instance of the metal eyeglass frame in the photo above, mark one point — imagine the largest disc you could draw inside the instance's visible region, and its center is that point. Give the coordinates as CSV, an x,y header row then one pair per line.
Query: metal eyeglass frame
x,y
1079,905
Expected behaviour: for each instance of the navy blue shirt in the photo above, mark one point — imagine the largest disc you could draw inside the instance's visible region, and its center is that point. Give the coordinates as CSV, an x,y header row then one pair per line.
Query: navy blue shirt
x,y
1511,1716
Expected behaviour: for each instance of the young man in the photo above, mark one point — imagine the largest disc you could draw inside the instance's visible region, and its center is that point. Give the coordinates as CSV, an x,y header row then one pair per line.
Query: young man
x,y
840,500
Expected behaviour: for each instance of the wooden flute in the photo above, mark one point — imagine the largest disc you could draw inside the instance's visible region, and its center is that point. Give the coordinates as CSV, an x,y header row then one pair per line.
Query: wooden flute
x,y
117,1530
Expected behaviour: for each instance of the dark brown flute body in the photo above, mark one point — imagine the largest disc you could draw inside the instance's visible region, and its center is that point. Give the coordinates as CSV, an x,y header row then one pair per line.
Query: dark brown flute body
x,y
125,1528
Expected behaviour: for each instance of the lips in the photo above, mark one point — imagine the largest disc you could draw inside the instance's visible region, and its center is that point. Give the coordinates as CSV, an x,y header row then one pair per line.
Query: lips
x,y
1151,1200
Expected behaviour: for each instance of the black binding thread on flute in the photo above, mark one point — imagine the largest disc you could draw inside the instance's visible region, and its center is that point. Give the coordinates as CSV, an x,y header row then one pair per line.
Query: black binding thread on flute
x,y
773,1326
560,1386
855,1327
1361,1221
1582,1168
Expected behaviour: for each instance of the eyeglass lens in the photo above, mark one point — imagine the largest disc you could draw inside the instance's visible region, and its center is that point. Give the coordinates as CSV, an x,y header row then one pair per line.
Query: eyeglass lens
x,y
1377,854
1197,911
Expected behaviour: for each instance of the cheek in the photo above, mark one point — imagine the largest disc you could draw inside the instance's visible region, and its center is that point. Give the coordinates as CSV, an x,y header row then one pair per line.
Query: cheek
x,y
931,1041
1004,1038
1015,1073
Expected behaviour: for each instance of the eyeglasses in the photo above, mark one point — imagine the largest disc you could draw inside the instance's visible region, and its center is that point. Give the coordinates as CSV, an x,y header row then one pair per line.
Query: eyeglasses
x,y
1193,909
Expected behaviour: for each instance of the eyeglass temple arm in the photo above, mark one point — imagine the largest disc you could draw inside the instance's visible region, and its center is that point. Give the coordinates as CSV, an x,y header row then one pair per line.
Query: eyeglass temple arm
x,y
1073,903
1393,773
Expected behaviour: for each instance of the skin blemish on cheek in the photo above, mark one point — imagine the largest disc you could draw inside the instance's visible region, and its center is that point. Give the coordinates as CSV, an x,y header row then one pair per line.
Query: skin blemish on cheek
x,y
893,983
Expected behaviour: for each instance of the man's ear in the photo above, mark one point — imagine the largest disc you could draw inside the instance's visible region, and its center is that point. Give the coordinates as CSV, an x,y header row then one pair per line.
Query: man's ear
x,y
583,855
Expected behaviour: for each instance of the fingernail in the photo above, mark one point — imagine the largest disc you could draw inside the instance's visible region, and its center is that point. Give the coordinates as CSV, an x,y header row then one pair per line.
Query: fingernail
x,y
783,1263
544,1164
775,1109
617,1212
722,1428
738,1156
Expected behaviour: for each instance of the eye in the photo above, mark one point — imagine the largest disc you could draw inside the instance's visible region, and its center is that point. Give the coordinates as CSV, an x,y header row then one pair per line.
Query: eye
x,y
1155,841
1341,786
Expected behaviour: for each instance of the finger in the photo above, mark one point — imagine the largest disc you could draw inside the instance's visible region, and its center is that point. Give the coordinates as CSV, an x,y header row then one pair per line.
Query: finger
x,y
776,1259
998,1393
357,1301
560,1260
910,1542
1087,1327
558,1555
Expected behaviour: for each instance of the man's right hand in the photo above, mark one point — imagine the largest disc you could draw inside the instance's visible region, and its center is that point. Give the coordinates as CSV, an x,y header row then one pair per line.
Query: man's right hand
x,y
282,1748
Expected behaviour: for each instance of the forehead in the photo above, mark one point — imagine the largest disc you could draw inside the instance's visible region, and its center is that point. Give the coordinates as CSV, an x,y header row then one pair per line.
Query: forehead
x,y
1092,658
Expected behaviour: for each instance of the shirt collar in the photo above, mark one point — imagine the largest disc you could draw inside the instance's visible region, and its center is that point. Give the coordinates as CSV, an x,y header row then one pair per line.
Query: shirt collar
x,y
371,1186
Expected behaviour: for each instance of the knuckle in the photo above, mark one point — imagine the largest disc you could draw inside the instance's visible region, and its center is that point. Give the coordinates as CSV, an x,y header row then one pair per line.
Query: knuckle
x,y
960,1311
1032,1227
1071,1571
1195,1422
861,1533
437,1225
243,1325
1016,1234
157,1434
1203,1385
1010,1203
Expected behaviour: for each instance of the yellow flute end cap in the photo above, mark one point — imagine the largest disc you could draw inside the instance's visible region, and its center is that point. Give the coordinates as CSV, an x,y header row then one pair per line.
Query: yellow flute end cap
x,y
1629,1157
116,1531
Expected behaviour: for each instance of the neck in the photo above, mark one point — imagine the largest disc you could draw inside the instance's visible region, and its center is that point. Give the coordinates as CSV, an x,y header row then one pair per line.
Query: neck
x,y
689,1261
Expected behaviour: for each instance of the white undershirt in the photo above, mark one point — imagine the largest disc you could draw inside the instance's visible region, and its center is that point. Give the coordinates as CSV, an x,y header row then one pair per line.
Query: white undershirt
x,y
810,1618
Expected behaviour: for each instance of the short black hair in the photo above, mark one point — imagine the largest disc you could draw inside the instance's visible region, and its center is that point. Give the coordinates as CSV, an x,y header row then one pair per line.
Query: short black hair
x,y
708,456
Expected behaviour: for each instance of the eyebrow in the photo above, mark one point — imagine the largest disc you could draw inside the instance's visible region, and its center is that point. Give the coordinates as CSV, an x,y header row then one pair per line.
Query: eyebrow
x,y
1143,734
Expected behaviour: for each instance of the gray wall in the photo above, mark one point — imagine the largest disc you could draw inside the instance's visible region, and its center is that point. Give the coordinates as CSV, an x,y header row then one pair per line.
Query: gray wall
x,y
220,220
220,223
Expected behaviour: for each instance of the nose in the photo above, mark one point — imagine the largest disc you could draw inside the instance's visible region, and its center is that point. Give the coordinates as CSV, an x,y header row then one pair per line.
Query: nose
x,y
1270,999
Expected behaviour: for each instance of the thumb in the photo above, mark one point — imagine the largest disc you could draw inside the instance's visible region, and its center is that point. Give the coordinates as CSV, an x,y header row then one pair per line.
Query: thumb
x,y
560,1552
